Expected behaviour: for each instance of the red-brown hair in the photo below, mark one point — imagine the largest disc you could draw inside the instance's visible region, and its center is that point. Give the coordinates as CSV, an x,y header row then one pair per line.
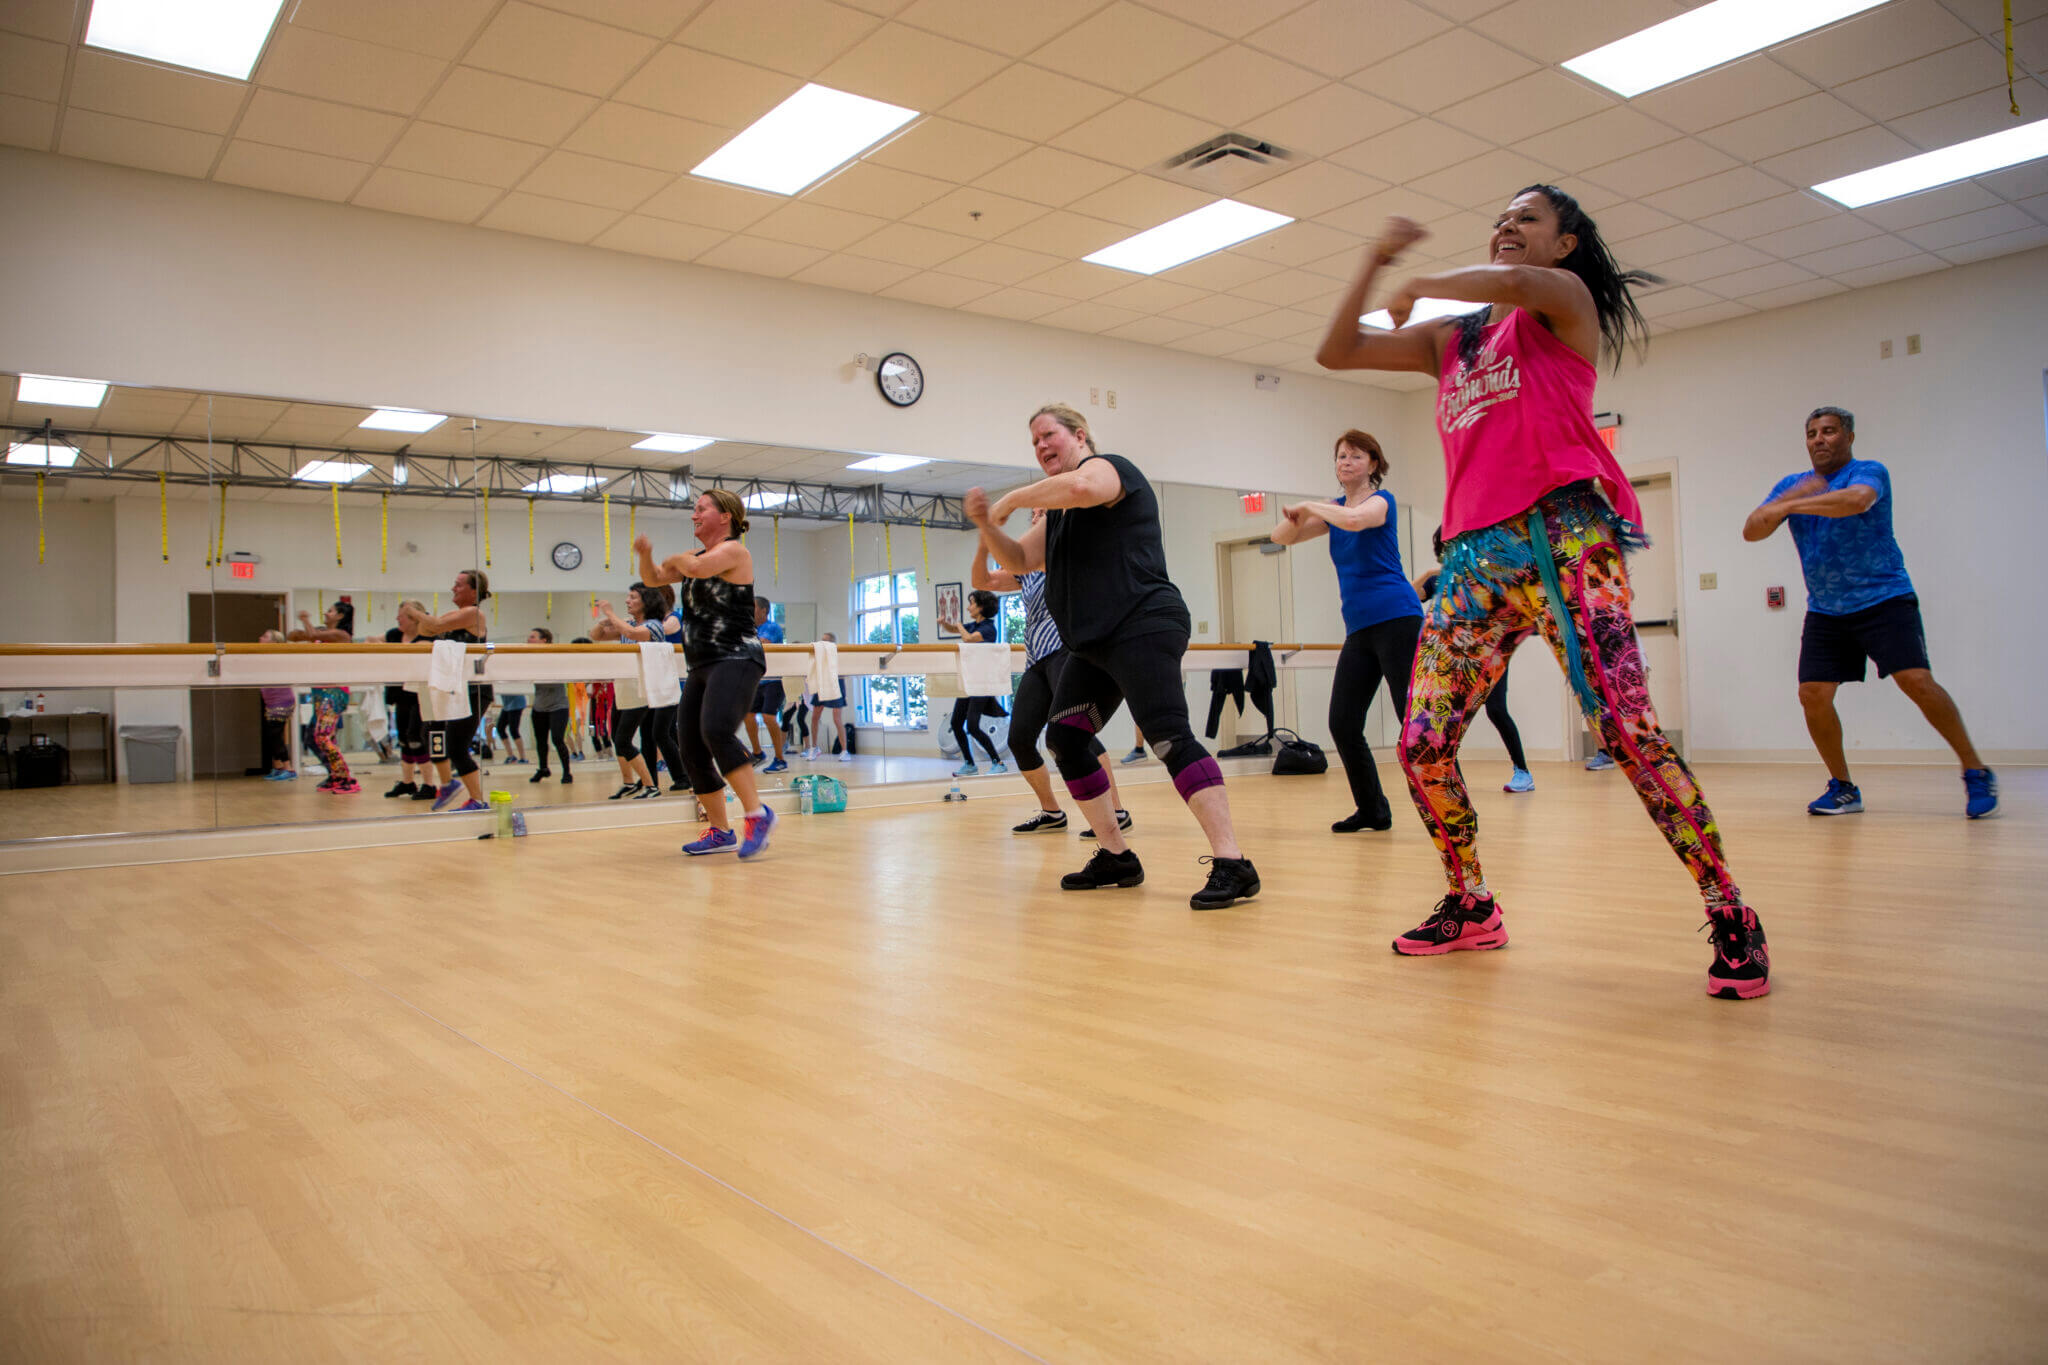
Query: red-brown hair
x,y
1376,468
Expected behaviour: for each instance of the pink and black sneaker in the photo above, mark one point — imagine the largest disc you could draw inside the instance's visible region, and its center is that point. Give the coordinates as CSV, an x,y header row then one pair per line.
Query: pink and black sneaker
x,y
1741,969
1460,921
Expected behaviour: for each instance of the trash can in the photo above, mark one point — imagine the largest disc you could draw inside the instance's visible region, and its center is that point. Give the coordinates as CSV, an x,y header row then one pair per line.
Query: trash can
x,y
152,752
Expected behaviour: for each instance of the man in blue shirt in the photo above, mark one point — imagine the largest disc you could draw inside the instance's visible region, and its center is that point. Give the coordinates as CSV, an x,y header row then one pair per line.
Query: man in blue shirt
x,y
768,698
1859,605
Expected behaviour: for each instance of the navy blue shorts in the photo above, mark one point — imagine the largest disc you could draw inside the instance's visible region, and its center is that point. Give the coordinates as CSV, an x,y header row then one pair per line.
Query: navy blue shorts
x,y
768,698
1890,635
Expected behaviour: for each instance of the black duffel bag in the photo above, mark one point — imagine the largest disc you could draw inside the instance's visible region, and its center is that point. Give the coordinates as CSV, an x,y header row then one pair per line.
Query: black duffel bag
x,y
1297,755
42,763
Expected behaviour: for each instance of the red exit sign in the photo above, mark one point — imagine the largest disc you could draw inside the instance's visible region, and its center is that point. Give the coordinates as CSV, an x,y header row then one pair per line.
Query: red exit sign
x,y
241,570
1254,503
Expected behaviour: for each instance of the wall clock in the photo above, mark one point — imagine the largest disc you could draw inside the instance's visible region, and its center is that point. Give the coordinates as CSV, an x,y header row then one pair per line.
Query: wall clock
x,y
900,379
567,556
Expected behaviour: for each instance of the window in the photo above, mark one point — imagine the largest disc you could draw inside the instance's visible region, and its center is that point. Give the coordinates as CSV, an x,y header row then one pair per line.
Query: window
x,y
885,612
1010,619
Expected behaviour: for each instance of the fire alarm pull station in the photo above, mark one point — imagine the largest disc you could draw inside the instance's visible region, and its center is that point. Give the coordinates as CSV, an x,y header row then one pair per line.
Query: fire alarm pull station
x,y
1774,597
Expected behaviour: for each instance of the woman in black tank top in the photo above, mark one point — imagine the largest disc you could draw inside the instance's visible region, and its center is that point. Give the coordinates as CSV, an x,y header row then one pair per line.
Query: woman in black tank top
x,y
716,604
448,741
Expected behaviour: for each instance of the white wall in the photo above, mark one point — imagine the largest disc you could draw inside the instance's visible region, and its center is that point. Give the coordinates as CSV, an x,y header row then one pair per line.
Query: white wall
x,y
69,597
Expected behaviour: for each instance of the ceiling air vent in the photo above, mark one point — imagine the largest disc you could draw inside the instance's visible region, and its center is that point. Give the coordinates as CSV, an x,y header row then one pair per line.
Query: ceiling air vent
x,y
1225,164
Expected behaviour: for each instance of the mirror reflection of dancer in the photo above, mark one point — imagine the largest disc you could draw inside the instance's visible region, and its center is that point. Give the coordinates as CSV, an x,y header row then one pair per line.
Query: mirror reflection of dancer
x,y
1045,658
1126,628
980,628
1537,514
463,622
835,711
409,727
768,697
338,628
1382,614
633,736
660,742
550,711
726,665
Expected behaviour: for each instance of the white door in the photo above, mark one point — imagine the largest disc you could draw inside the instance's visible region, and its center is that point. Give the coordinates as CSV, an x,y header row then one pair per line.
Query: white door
x,y
1653,575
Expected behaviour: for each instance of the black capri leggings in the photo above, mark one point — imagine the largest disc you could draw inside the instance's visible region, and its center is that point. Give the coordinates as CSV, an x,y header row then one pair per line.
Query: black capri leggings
x,y
1032,706
1146,672
508,721
551,725
630,734
967,714
715,700
1383,651
450,739
411,727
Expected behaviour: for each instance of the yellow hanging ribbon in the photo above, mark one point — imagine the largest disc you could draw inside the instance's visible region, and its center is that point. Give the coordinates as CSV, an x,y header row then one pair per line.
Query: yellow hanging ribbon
x,y
487,526
370,606
529,535
335,491
320,600
494,610
222,553
888,550
551,606
435,610
607,537
632,522
163,511
2011,98
384,536
39,518
852,570
209,542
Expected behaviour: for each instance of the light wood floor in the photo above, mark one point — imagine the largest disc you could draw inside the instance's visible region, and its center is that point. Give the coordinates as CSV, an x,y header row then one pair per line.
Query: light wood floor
x,y
888,1095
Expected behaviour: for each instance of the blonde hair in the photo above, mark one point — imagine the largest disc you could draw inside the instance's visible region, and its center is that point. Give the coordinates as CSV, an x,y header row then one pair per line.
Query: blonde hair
x,y
735,510
1073,421
481,581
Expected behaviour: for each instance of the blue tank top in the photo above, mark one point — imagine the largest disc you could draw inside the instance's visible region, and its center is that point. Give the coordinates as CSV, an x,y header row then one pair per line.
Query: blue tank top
x,y
1369,576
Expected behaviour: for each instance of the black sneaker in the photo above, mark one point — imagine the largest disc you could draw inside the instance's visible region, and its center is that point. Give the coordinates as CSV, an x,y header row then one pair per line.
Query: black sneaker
x,y
1042,822
1230,880
400,789
1359,820
627,790
423,791
1105,869
1123,821
1459,923
1741,969
539,775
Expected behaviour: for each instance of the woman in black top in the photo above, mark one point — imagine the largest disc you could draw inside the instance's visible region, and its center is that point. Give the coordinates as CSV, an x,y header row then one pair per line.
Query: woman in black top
x,y
1125,628
979,627
726,663
550,711
448,741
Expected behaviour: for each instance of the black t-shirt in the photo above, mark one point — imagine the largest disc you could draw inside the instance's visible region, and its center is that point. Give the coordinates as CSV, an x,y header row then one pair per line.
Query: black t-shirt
x,y
1105,567
983,630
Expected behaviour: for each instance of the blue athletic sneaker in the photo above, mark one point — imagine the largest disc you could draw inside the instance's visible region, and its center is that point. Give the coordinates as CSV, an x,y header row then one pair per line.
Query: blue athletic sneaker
x,y
1841,798
1522,781
713,840
447,794
995,768
759,827
1600,762
966,770
1982,785
778,766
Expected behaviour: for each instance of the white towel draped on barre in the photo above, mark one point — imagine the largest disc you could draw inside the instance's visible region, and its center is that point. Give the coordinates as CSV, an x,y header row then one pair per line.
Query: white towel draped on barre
x,y
822,682
447,693
658,673
984,670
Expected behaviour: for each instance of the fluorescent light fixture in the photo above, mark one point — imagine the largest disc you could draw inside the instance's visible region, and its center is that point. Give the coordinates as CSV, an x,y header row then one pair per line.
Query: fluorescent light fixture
x,y
562,483
224,37
673,443
1706,37
56,455
1978,156
63,393
813,131
889,464
1180,240
757,501
1426,310
402,419
331,471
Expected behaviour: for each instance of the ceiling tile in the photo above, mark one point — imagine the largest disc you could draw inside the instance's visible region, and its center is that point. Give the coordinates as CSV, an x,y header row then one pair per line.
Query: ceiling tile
x,y
1338,37
1714,262
321,126
1286,288
625,132
485,102
1607,136
940,291
1986,247
1219,270
1631,220
1677,299
1552,33
1281,323
428,196
645,236
870,187
710,204
1972,116
1969,227
1797,124
1449,67
440,29
1231,18
1653,249
1367,216
143,90
1487,181
1522,108
538,216
131,142
51,19
1022,305
1015,29
1915,209
1079,280
908,244
1217,310
1000,264
757,256
1713,194
31,68
290,172
1414,148
1790,294
1232,85
1839,230
1297,243
1919,263
1030,102
27,123
1769,215
1851,152
1315,188
1873,41
1046,175
1713,312
1126,48
816,225
1134,134
1268,353
1324,120
1150,295
1934,79
324,66
911,68
957,212
856,273
584,179
799,37
1088,317
660,18
1067,235
1871,251
1727,92
1154,331
1142,201
708,88
558,49
462,155
950,151
2021,182
1216,343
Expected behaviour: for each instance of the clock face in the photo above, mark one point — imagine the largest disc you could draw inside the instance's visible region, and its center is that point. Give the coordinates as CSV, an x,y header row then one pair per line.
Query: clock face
x,y
900,379
567,555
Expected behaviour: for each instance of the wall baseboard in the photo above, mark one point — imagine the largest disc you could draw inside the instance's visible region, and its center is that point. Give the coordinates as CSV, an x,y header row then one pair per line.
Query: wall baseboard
x,y
1926,758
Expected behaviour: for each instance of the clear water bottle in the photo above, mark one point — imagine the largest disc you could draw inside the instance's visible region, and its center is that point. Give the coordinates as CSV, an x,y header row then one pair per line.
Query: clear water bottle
x,y
803,797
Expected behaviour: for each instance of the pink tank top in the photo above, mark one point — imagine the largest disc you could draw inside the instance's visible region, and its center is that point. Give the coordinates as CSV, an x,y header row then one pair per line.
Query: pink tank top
x,y
1518,423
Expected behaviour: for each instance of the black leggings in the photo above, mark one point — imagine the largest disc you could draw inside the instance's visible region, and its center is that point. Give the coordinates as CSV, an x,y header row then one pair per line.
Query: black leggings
x,y
275,750
1146,672
1029,710
715,700
411,727
967,714
1383,651
551,725
1497,712
650,731
450,739
508,722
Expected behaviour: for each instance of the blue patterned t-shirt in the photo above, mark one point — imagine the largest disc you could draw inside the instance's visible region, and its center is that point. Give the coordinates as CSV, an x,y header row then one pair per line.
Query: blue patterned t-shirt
x,y
1850,563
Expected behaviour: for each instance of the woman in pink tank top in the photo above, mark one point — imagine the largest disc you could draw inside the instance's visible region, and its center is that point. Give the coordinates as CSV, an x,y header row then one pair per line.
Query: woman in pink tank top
x,y
1537,515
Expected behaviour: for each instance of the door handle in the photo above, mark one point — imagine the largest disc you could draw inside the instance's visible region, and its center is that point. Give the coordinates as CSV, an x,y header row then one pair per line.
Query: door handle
x,y
1669,623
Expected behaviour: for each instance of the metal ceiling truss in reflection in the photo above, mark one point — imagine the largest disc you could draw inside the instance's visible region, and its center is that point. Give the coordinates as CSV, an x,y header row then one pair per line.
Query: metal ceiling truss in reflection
x,y
138,458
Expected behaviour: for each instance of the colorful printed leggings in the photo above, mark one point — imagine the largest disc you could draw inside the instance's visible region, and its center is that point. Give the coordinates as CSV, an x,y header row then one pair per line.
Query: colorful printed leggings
x,y
1474,626
327,706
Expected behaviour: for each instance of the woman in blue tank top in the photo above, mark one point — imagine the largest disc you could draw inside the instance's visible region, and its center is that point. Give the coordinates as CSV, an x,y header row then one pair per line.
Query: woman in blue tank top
x,y
1382,614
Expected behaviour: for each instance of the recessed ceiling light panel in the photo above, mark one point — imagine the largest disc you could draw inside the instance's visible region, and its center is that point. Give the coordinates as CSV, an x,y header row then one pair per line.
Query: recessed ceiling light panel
x,y
1944,165
224,37
64,393
673,442
1180,240
402,419
331,471
889,464
764,498
54,455
1426,310
812,132
562,483
1706,37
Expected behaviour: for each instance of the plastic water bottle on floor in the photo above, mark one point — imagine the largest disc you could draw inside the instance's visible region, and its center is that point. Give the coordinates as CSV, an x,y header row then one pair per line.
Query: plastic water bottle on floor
x,y
501,804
